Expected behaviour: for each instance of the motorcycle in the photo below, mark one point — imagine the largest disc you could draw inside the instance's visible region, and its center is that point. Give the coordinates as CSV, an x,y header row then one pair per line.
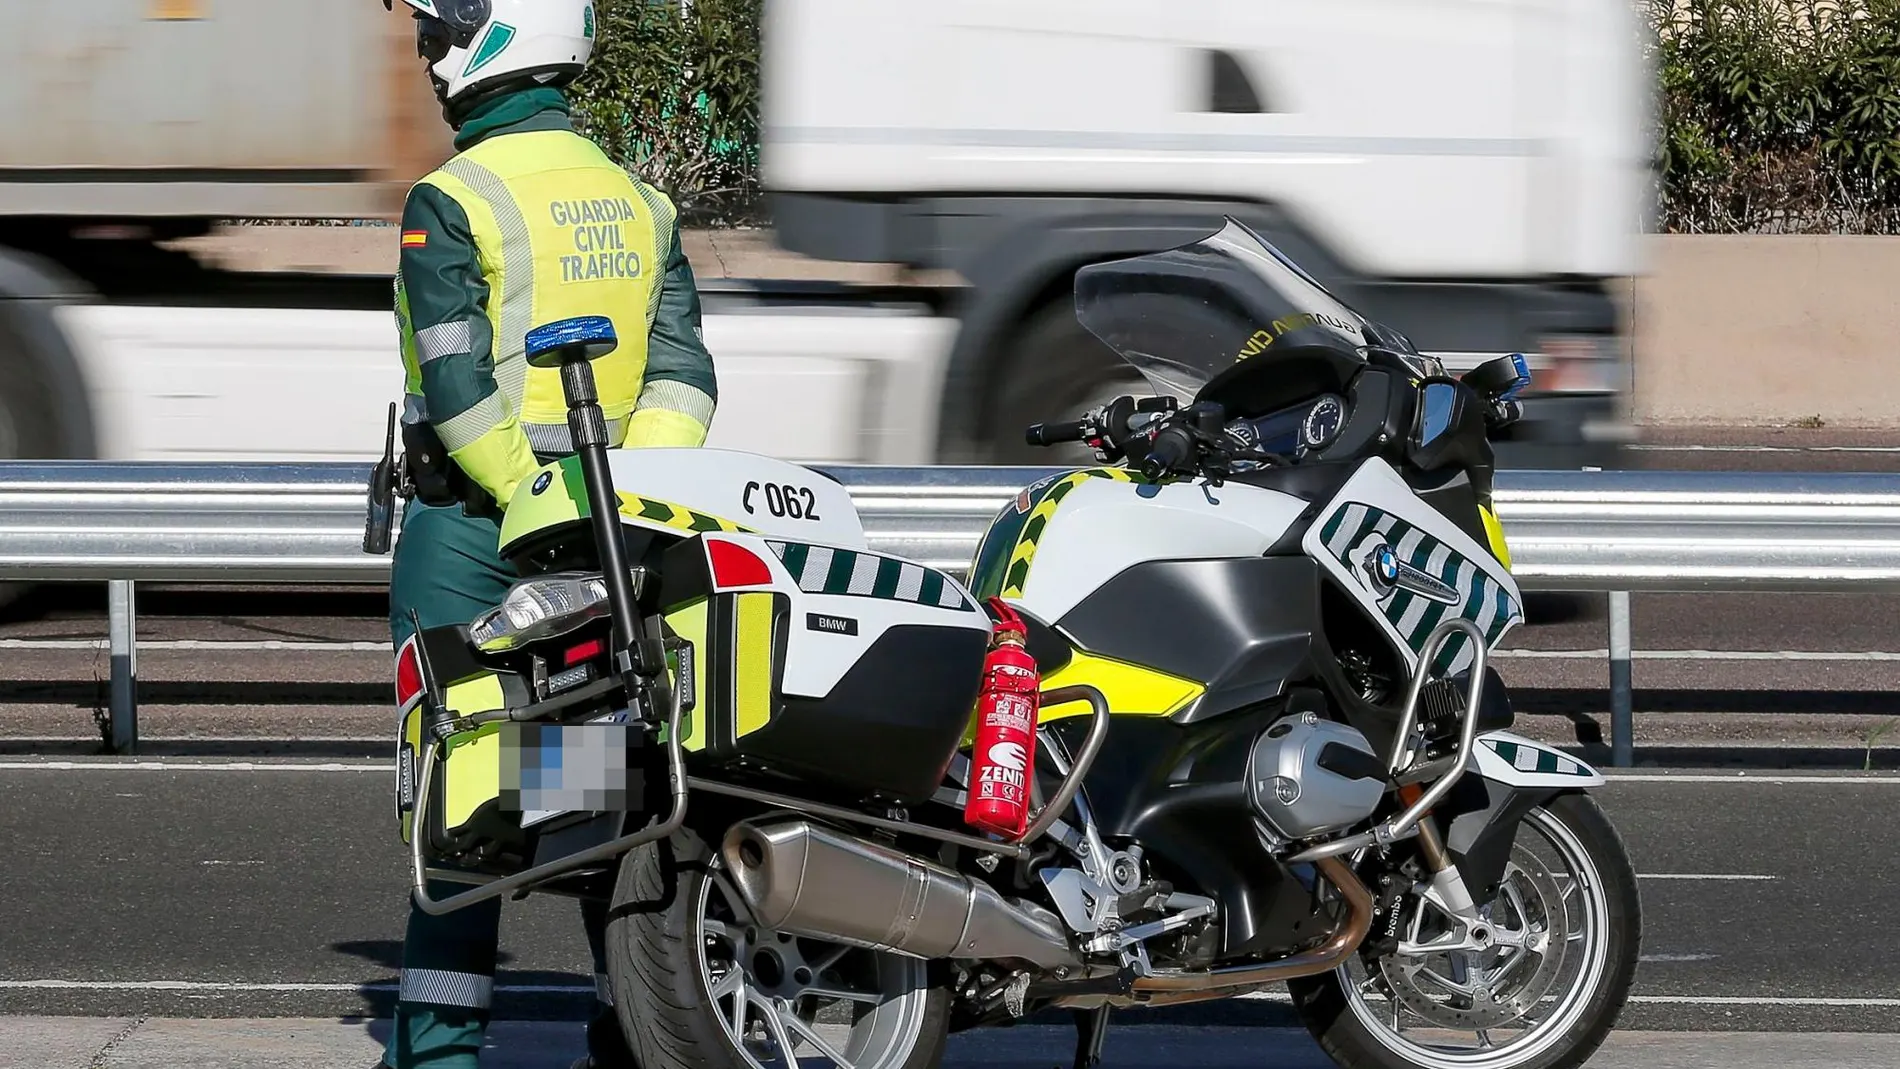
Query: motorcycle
x,y
1268,747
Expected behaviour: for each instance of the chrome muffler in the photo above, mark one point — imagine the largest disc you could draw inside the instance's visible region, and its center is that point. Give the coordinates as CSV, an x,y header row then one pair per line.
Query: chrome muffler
x,y
803,879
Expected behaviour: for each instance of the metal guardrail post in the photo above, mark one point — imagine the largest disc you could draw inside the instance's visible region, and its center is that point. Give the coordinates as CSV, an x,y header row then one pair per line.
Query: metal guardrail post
x,y
1622,716
122,734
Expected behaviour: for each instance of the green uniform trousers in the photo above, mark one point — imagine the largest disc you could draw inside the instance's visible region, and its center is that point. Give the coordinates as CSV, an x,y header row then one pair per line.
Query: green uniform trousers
x,y
447,569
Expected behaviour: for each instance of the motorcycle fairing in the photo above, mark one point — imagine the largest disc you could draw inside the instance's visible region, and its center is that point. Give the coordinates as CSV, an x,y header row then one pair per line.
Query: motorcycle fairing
x,y
689,491
1001,566
1239,627
837,665
1088,529
1510,775
1516,761
1377,508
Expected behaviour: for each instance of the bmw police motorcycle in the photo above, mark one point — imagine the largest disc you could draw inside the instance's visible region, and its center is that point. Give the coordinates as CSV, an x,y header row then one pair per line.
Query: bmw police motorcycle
x,y
1270,754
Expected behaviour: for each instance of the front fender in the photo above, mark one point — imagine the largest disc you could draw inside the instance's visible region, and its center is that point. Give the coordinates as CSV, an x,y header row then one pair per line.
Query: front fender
x,y
1509,776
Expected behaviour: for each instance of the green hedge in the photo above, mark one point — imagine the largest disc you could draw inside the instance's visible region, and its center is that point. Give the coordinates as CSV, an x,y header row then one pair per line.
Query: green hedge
x,y
675,96
1779,116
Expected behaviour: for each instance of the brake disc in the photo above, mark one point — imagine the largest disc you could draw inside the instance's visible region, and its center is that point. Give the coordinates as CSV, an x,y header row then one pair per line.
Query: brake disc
x,y
1501,984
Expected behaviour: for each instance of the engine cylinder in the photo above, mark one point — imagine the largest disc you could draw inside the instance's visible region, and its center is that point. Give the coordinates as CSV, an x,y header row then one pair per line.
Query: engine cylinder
x,y
1308,777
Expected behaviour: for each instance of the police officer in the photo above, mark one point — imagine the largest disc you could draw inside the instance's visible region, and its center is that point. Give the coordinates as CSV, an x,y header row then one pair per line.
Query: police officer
x,y
528,224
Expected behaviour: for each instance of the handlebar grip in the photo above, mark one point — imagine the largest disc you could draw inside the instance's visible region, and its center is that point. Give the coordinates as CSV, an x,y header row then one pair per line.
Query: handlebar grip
x,y
1171,449
1056,433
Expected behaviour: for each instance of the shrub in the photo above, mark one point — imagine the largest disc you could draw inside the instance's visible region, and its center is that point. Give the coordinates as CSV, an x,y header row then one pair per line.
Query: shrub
x,y
673,94
1779,116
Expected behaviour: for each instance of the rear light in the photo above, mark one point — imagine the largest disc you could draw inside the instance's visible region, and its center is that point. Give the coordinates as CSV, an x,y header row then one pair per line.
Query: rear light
x,y
734,565
1579,363
569,679
408,674
584,652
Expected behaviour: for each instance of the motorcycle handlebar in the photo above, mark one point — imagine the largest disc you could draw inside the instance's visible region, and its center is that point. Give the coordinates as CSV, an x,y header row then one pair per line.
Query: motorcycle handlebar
x,y
1172,448
1072,430
1081,430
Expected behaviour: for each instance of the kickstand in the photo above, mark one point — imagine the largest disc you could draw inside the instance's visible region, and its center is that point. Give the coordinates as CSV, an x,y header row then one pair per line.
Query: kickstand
x,y
1091,1031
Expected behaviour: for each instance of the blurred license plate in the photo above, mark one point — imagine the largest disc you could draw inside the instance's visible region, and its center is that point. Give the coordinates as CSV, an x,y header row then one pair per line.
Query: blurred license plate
x,y
550,769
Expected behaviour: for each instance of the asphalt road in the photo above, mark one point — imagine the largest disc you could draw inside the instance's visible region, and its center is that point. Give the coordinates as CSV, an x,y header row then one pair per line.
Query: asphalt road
x,y
286,1043
186,889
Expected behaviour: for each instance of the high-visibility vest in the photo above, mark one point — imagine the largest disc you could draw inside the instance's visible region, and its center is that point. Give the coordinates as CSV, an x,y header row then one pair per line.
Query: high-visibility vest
x,y
561,231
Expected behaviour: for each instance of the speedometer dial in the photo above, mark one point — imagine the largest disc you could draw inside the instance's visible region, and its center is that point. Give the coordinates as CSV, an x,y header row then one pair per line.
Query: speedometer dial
x,y
1322,423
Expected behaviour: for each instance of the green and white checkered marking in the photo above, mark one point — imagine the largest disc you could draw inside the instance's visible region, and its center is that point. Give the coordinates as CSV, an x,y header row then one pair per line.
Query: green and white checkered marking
x,y
1485,602
1533,759
850,573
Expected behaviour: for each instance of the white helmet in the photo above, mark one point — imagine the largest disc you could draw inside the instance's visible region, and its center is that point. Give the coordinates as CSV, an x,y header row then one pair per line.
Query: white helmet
x,y
474,44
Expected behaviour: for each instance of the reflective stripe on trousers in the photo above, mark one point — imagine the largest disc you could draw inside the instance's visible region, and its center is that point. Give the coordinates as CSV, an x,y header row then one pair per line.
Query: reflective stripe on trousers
x,y
438,987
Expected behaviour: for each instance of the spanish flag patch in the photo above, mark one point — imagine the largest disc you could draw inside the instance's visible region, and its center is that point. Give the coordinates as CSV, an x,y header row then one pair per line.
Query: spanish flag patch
x,y
415,239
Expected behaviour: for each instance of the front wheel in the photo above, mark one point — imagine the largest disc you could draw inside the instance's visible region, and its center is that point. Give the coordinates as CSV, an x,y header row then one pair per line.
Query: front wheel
x,y
699,985
1561,948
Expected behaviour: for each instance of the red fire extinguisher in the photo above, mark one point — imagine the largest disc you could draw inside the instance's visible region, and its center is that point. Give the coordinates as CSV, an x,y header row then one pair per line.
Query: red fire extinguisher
x,y
1004,755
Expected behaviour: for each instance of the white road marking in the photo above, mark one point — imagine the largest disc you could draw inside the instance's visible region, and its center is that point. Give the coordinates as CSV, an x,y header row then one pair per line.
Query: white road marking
x,y
315,646
1700,655
1765,1000
1746,778
205,986
184,766
1702,876
1766,448
202,644
212,986
1691,1000
302,646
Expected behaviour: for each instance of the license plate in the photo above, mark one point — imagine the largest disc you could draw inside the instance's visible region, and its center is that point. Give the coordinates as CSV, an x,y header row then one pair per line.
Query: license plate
x,y
551,769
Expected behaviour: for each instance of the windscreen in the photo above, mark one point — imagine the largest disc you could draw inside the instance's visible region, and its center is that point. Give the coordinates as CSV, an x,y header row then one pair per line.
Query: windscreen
x,y
1185,316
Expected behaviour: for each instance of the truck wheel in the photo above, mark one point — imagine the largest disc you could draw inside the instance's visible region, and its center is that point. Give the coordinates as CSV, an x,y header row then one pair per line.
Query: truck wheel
x,y
1055,370
698,985
28,429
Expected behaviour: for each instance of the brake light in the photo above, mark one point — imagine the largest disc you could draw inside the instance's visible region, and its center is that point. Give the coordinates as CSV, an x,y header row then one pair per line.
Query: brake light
x,y
408,674
584,652
734,565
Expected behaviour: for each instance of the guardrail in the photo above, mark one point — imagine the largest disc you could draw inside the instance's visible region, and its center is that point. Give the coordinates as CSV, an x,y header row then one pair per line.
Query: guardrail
x,y
1612,532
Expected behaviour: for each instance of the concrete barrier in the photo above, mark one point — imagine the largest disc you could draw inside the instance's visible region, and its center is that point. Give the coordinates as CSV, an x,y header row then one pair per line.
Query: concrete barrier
x,y
1744,329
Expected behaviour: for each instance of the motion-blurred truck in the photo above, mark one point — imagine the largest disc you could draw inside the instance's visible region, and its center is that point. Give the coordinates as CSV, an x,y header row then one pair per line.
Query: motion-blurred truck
x,y
1474,172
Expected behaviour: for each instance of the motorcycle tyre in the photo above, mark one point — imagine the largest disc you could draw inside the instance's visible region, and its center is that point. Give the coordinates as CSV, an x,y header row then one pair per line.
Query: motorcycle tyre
x,y
653,965
1321,1003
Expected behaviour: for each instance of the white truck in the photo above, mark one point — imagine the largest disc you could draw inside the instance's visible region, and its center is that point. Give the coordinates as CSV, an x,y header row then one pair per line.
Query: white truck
x,y
1477,173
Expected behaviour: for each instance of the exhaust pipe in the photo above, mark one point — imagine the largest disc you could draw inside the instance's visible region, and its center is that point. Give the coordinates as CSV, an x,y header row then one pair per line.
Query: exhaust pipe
x,y
803,879
1174,988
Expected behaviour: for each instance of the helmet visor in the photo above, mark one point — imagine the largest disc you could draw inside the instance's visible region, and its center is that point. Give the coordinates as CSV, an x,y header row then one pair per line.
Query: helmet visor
x,y
434,39
454,26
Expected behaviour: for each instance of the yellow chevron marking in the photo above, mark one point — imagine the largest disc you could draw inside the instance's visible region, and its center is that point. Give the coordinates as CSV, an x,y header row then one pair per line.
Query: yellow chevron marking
x,y
1016,575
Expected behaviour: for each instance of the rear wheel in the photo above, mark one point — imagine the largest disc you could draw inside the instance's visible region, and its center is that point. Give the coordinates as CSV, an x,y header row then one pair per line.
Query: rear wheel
x,y
1559,954
699,985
